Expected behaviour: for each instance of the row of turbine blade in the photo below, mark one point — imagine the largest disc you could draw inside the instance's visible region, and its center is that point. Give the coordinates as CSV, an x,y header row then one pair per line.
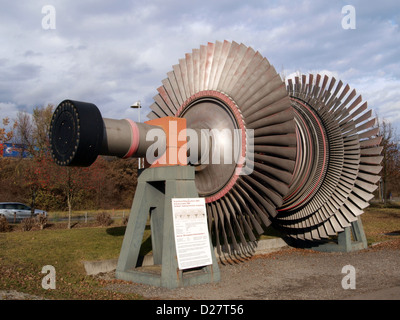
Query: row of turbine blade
x,y
237,218
361,159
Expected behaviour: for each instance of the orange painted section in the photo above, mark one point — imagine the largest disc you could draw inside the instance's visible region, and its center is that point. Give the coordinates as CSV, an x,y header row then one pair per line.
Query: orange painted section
x,y
176,149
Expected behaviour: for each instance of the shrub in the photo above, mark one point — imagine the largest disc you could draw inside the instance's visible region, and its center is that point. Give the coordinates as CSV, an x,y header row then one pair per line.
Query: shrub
x,y
104,219
28,223
4,226
41,221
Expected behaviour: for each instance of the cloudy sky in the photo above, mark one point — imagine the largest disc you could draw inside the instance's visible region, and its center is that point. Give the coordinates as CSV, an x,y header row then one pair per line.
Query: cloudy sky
x,y
113,53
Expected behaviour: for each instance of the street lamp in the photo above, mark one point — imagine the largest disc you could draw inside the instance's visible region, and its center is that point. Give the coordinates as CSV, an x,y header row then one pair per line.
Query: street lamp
x,y
138,106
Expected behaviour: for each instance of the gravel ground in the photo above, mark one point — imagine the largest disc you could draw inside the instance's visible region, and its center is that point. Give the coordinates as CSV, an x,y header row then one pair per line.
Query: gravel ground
x,y
293,274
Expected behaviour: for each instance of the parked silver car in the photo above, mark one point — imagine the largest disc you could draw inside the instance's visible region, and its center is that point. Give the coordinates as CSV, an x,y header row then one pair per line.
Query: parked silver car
x,y
15,211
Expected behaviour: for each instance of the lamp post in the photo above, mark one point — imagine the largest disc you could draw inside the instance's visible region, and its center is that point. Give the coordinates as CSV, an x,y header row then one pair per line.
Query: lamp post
x,y
138,106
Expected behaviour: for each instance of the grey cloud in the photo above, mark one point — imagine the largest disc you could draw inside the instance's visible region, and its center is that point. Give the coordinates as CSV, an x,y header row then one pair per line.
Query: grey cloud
x,y
31,53
20,72
116,52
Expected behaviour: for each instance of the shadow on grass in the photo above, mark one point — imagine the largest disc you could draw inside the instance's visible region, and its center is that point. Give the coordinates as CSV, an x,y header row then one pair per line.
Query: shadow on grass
x,y
393,233
146,246
389,205
119,231
116,231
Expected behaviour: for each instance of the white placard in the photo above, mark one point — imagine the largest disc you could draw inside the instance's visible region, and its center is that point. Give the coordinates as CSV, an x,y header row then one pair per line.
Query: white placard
x,y
191,232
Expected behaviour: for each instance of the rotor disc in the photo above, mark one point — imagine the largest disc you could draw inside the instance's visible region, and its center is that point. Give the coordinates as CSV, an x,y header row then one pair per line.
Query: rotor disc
x,y
227,85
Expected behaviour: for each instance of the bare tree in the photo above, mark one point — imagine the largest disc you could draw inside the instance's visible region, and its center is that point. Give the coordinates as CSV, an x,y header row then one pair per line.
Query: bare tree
x,y
391,159
24,132
41,119
32,133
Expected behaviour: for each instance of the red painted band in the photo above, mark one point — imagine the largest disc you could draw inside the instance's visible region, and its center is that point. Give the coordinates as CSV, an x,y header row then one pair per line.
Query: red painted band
x,y
134,139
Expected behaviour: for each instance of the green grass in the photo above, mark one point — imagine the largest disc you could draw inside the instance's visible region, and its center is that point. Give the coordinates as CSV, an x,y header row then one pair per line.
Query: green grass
x,y
23,254
381,223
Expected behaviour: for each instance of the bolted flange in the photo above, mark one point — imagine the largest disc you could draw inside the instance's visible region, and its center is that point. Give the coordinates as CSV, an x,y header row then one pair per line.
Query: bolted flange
x,y
76,133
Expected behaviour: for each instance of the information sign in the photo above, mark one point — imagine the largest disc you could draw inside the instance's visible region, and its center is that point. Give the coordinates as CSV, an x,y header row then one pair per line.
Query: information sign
x,y
191,232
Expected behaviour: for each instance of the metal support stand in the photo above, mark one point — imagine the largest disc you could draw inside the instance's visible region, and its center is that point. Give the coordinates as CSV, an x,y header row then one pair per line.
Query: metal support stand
x,y
344,242
155,189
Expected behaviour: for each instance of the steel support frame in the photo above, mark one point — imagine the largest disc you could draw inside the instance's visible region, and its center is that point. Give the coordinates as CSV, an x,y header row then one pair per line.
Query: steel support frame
x,y
345,243
155,189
